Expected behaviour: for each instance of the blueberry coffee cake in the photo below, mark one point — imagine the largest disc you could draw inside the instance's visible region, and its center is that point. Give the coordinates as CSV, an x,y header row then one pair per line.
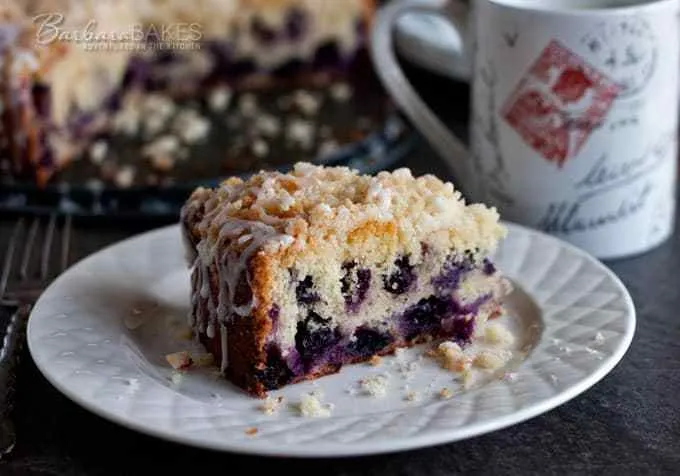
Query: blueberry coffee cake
x,y
296,274
69,67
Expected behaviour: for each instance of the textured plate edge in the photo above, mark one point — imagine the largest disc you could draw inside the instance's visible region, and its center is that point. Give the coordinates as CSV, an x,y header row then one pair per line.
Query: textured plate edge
x,y
252,447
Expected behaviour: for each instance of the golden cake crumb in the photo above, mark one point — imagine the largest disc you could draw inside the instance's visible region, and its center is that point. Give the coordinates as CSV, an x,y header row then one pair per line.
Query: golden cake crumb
x,y
495,333
491,360
311,406
445,393
271,405
252,431
179,360
375,386
375,360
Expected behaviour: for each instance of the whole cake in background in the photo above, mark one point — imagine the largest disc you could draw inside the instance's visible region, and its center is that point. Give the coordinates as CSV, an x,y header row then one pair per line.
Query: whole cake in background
x,y
296,274
60,95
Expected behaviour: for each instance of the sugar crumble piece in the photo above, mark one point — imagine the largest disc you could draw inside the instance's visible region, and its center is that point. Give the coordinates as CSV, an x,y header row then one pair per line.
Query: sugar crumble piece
x,y
375,385
98,152
176,378
445,393
412,396
219,98
179,360
375,360
451,357
202,359
490,360
271,405
300,133
341,92
311,406
268,125
466,378
599,338
499,335
191,127
252,431
306,102
260,148
125,177
163,147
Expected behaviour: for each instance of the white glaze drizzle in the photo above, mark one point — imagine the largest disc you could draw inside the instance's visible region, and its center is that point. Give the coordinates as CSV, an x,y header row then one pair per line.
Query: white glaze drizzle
x,y
230,266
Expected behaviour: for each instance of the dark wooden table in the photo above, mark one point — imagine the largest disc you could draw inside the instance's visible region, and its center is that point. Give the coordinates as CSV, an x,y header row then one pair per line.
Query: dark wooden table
x,y
628,423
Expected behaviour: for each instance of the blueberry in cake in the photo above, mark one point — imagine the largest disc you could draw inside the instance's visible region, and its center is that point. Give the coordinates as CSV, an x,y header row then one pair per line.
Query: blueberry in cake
x,y
296,274
58,93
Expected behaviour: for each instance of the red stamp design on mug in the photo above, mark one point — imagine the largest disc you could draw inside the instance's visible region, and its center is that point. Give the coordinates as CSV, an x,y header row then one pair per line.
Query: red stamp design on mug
x,y
559,102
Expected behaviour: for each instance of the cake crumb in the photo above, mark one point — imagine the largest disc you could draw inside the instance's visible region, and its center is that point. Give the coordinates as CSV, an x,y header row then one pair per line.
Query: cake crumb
x,y
202,359
490,360
252,431
375,360
125,177
498,334
271,405
179,360
375,386
311,406
599,338
191,127
176,378
341,92
412,396
451,357
98,152
219,98
306,102
260,148
445,393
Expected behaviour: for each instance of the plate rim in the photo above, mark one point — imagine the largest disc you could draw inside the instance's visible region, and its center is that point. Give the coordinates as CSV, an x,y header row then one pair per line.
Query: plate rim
x,y
338,450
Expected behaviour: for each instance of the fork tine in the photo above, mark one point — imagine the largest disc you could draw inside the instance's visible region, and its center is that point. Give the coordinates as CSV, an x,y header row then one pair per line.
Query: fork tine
x,y
47,245
28,248
65,242
9,256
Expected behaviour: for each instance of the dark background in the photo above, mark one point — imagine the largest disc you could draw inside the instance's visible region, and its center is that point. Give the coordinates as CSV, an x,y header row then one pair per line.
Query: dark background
x,y
628,423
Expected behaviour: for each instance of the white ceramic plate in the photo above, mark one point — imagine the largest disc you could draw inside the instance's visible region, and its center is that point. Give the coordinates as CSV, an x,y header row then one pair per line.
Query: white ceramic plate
x,y
574,320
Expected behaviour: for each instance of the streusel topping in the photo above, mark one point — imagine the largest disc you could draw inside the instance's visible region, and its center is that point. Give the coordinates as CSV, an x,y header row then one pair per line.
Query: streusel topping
x,y
336,206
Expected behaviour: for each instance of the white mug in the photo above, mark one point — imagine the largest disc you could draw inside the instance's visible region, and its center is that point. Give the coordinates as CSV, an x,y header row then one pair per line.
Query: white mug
x,y
573,128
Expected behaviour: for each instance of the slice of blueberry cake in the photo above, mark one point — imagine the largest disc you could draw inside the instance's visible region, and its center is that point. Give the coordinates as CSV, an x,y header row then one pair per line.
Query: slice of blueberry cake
x,y
294,275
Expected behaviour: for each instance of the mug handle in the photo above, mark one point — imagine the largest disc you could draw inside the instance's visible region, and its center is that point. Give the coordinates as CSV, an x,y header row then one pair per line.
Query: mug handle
x,y
446,144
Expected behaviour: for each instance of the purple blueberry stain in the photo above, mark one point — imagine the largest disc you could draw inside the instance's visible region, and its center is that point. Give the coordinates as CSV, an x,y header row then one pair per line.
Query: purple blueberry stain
x,y
402,278
426,316
296,24
304,291
274,313
276,372
354,285
451,274
314,339
264,34
367,341
488,267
